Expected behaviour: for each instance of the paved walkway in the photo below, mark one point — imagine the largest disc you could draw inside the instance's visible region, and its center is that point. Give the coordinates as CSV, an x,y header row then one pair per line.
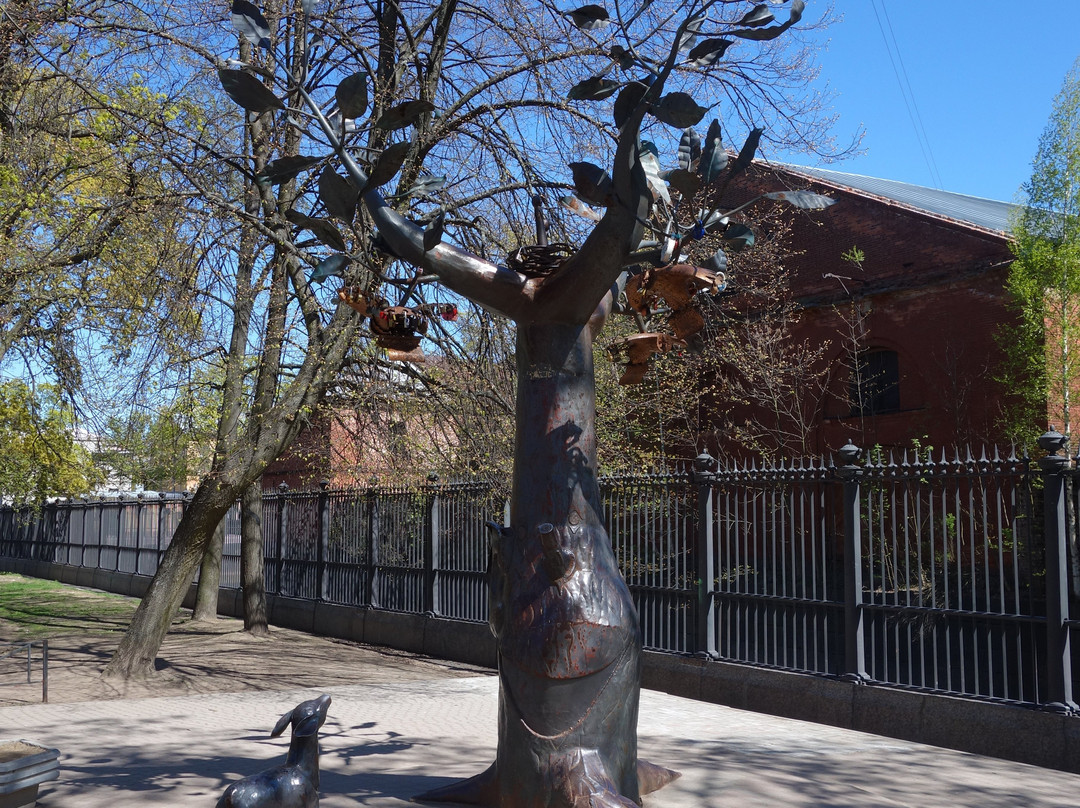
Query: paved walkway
x,y
399,726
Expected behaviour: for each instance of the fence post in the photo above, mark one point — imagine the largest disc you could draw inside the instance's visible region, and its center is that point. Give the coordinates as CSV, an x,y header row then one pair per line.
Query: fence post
x,y
84,503
100,530
1058,653
283,525
119,530
854,641
705,557
370,597
431,552
162,516
48,518
324,538
139,505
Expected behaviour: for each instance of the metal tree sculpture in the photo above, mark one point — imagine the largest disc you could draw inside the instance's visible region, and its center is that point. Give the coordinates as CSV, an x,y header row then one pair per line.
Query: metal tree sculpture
x,y
565,623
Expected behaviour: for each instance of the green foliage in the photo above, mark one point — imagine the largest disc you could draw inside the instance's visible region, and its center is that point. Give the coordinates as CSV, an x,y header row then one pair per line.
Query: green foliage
x,y
151,451
89,232
163,446
854,256
41,457
1044,281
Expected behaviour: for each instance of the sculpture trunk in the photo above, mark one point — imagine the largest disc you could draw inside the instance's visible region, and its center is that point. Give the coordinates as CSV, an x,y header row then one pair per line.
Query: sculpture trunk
x,y
566,627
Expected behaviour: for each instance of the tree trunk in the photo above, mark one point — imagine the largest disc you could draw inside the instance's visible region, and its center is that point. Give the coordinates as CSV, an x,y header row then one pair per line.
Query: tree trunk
x,y
565,624
134,657
206,597
252,572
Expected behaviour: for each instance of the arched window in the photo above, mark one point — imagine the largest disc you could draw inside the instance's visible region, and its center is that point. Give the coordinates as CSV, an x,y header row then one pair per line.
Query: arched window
x,y
875,383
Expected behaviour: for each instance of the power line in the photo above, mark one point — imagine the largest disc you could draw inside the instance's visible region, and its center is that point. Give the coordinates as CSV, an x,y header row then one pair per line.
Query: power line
x,y
906,92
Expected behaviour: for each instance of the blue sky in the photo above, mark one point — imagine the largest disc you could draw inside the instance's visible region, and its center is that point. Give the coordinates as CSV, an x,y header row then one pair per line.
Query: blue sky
x,y
983,76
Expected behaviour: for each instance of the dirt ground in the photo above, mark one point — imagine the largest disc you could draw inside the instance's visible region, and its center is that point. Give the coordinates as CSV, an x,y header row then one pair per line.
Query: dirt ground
x,y
206,657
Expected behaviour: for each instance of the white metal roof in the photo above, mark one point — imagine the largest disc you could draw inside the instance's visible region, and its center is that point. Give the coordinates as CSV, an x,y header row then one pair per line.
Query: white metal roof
x,y
987,213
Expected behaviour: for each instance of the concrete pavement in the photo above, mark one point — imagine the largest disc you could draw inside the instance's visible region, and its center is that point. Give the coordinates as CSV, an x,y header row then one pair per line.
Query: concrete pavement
x,y
385,741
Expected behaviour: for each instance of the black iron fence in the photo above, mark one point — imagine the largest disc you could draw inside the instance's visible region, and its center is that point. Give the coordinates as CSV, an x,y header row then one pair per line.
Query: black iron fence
x,y
944,575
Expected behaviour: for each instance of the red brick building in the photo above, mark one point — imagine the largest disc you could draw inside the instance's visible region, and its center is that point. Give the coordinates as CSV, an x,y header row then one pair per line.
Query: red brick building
x,y
925,305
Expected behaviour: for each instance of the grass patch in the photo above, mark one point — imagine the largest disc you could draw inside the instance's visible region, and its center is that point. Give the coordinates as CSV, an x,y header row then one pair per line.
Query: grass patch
x,y
31,608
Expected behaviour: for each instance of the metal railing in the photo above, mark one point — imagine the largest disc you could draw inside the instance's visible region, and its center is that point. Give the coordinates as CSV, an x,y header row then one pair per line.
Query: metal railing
x,y
13,650
942,574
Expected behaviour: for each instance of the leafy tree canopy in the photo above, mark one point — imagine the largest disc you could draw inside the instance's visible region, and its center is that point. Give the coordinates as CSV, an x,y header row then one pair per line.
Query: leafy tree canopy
x,y
41,456
1041,368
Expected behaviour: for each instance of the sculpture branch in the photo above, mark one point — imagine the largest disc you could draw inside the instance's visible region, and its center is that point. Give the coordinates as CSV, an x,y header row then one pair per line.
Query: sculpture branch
x,y
495,288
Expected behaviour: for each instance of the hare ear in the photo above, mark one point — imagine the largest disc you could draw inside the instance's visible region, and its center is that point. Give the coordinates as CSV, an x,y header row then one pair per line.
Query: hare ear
x,y
283,722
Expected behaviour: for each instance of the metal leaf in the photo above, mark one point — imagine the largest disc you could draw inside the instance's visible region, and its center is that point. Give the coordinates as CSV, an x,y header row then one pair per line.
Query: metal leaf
x,y
739,236
588,18
747,152
592,183
285,168
404,114
425,186
708,51
352,95
250,23
248,91
689,149
689,34
685,182
804,200
328,234
297,218
651,165
388,164
717,263
759,15
596,88
713,154
334,265
761,34
714,220
336,122
575,205
624,57
433,233
667,249
338,194
679,110
627,101
323,229
380,244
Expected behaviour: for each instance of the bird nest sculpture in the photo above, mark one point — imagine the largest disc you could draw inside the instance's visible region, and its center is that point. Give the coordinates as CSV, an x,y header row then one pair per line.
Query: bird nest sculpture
x,y
539,260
